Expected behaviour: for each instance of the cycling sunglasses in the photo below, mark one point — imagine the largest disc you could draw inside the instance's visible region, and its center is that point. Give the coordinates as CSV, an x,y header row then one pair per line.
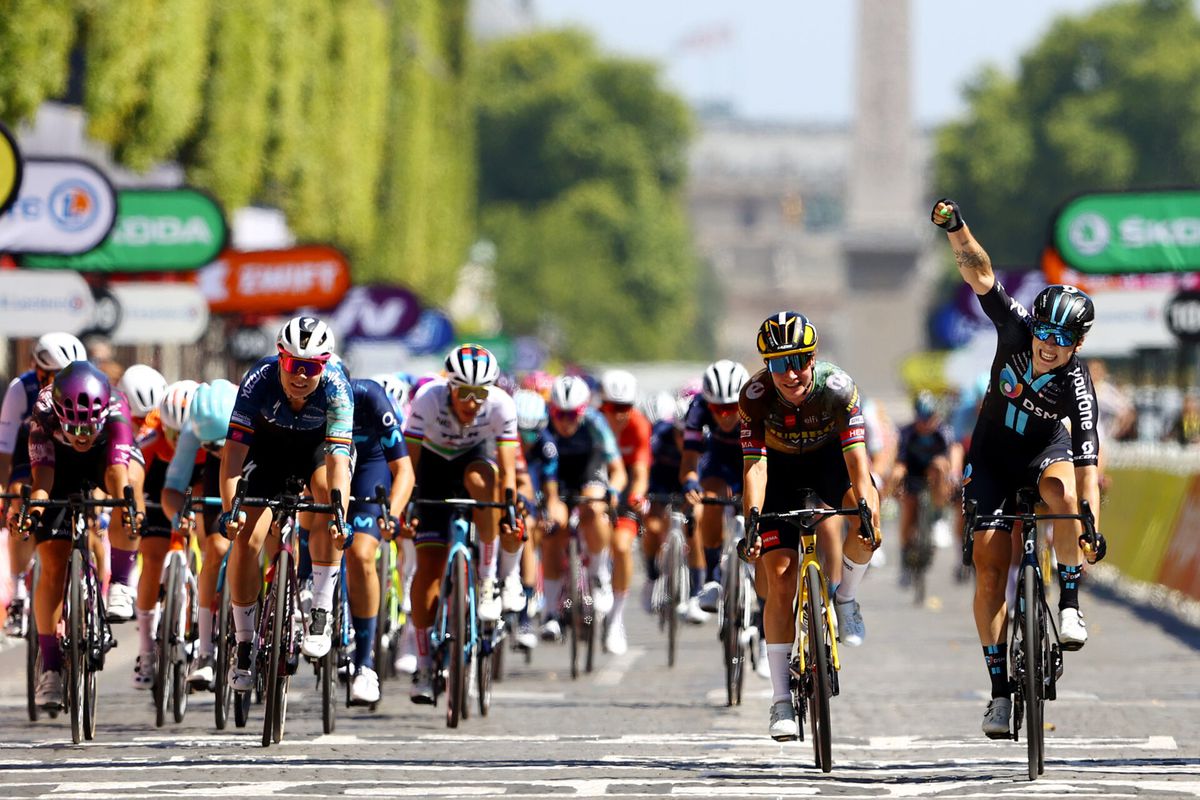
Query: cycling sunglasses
x,y
618,408
468,393
309,367
567,414
794,361
85,431
1063,337
723,409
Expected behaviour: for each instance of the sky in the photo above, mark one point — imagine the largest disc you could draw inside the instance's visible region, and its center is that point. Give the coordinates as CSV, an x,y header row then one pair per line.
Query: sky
x,y
793,60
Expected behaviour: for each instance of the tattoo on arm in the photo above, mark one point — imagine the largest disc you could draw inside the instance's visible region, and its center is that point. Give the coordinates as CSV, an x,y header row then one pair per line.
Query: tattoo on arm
x,y
974,259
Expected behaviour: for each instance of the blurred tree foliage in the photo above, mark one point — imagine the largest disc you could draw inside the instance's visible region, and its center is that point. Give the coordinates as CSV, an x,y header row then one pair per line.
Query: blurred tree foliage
x,y
582,159
1108,100
35,39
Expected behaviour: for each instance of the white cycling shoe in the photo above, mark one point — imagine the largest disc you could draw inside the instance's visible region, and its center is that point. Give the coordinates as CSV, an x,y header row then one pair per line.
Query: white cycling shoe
x,y
512,594
120,602
693,613
143,671
615,642
49,693
783,722
365,689
602,598
488,605
319,637
422,686
709,597
1072,631
851,628
406,659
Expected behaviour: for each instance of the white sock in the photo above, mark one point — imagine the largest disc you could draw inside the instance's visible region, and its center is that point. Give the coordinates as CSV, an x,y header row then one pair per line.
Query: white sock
x,y
779,658
410,560
243,622
600,567
206,632
551,592
20,591
852,575
489,552
424,657
510,562
618,609
324,579
147,624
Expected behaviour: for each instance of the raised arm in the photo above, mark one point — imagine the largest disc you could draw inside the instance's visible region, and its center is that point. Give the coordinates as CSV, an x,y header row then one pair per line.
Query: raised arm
x,y
973,262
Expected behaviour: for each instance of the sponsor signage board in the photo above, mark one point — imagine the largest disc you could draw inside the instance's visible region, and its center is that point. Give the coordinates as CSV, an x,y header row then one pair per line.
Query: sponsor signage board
x,y
376,312
156,230
33,303
275,281
65,206
159,313
10,168
1128,320
1123,232
432,334
1183,316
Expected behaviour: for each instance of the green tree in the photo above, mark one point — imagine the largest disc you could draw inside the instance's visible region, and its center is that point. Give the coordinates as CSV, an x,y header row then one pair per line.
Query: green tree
x,y
582,158
35,39
1108,100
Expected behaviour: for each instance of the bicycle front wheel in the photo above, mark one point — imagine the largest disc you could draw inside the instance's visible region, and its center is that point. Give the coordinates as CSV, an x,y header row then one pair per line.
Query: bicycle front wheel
x,y
674,592
820,685
731,614
33,655
163,678
575,602
278,617
384,632
329,666
456,691
76,654
224,658
1035,733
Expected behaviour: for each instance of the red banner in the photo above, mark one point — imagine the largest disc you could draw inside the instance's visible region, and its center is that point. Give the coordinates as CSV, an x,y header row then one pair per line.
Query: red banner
x,y
1181,566
276,281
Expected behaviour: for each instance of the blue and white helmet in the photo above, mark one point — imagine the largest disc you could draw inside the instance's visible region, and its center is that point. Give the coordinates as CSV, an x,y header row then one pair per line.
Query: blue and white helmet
x,y
471,365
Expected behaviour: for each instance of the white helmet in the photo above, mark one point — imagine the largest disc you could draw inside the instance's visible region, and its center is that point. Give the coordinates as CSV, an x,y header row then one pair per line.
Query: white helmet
x,y
723,381
471,365
569,393
144,387
54,351
173,409
531,410
619,386
306,337
396,389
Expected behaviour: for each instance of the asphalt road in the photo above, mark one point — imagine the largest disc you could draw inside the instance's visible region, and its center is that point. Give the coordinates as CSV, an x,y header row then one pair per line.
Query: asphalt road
x,y
905,725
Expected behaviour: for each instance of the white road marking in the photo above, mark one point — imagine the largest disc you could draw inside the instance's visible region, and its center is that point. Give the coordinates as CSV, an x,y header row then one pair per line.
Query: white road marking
x,y
614,671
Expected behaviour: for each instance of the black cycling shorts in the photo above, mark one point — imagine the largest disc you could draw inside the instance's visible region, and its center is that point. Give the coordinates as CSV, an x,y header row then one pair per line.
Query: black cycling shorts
x,y
73,472
275,458
1000,464
789,476
441,478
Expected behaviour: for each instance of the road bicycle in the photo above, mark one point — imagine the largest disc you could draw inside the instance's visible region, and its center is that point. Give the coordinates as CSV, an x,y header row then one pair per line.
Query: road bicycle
x,y
919,554
459,643
673,586
175,639
1035,652
739,599
280,626
815,665
84,632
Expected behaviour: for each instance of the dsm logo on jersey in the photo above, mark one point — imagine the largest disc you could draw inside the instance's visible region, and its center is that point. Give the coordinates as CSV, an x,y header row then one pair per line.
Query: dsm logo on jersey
x,y
1010,386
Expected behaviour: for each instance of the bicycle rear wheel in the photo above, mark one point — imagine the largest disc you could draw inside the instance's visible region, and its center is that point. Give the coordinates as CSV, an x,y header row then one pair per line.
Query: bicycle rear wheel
x,y
1035,734
575,602
456,691
273,666
163,678
73,614
93,654
329,666
674,591
731,629
33,654
820,686
485,670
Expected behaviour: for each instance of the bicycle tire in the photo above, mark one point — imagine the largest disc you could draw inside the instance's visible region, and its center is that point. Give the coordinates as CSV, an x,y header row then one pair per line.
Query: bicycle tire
x,y
74,628
746,621
163,679
33,653
225,649
484,670
1032,679
674,590
456,690
821,686
383,631
328,665
289,646
731,614
93,623
272,666
575,602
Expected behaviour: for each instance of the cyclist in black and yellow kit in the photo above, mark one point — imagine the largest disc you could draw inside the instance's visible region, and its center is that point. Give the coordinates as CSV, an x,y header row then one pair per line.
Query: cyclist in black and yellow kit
x,y
802,428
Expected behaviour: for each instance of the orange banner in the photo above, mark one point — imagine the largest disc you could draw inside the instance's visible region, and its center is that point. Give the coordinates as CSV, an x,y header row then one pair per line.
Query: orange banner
x,y
1181,565
275,281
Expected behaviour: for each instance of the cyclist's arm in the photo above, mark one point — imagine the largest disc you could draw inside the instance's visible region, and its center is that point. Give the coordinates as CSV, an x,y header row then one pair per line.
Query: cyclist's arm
x,y
179,473
618,479
973,262
689,466
754,483
337,468
403,480
233,459
895,478
506,459
858,465
1087,486
639,480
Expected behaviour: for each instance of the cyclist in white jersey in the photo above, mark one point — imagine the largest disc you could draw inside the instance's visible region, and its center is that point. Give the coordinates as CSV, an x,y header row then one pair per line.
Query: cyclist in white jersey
x,y
462,439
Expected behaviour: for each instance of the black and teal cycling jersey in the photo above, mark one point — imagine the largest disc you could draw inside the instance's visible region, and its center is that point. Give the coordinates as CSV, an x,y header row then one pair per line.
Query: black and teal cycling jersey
x,y
1031,408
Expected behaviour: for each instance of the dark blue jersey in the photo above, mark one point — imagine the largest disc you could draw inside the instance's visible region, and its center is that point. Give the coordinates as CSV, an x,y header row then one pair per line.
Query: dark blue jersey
x,y
917,450
667,458
377,431
261,403
702,433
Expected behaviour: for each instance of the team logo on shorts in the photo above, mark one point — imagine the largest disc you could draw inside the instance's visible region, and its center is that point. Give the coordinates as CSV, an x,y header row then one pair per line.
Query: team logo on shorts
x,y
1010,387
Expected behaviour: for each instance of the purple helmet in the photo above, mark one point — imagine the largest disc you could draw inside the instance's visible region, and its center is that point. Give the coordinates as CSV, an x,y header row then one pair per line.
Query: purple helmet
x,y
81,394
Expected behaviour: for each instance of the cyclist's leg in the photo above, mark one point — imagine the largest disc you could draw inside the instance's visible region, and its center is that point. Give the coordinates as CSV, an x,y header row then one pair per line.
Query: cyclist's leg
x,y
426,584
654,531
20,557
481,481
597,532
123,551
53,552
554,556
779,562
940,486
908,521
153,546
712,526
1057,488
362,582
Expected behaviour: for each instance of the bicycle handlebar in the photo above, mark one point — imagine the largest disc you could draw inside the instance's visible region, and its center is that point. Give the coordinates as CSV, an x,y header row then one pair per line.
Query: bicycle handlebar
x,y
807,519
1090,540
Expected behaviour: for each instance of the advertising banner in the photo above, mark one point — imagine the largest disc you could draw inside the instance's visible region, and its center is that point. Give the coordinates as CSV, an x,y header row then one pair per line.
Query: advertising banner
x,y
376,312
276,281
10,168
64,206
1181,566
1056,271
157,230
1123,232
33,303
433,333
1183,316
159,313
1128,320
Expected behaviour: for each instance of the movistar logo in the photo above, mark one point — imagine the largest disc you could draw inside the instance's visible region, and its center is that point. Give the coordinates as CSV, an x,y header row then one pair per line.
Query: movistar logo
x,y
392,439
363,523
